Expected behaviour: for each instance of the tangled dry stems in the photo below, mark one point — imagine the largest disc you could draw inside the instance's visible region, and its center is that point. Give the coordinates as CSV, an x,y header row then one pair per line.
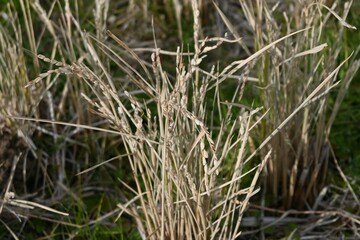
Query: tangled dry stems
x,y
177,154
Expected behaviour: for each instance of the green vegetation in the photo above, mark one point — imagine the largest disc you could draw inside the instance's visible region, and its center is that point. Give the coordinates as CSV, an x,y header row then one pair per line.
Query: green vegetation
x,y
179,119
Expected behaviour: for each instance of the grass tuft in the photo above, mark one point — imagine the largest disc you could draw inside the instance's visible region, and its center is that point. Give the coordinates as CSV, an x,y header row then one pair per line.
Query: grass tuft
x,y
117,125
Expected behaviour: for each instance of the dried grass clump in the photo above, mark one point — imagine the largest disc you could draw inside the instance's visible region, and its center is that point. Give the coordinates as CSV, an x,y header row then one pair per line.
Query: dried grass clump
x,y
194,153
176,155
295,79
18,152
33,156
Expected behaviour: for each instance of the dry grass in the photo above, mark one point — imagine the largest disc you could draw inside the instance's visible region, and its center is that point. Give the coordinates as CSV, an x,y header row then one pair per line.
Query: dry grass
x,y
173,155
295,80
194,163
